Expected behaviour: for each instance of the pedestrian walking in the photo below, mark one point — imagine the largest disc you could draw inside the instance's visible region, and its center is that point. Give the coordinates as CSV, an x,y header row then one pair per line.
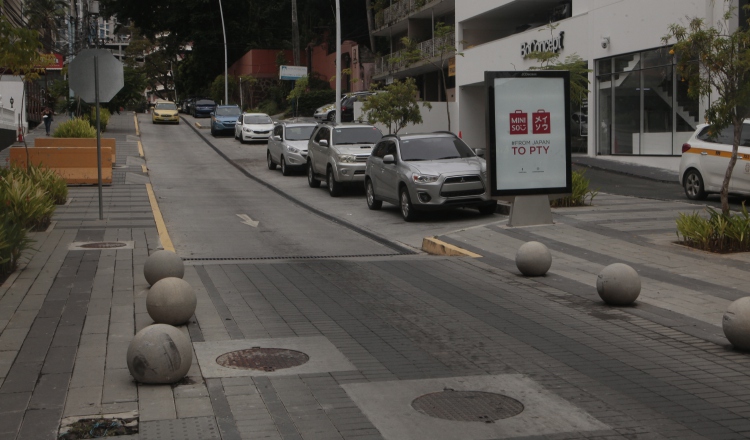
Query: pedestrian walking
x,y
47,117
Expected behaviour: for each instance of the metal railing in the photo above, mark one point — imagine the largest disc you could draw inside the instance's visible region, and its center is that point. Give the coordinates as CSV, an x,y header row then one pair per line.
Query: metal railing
x,y
429,49
398,11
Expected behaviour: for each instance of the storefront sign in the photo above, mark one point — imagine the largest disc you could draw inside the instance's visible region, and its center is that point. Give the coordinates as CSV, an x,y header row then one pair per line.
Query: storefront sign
x,y
554,44
529,132
292,72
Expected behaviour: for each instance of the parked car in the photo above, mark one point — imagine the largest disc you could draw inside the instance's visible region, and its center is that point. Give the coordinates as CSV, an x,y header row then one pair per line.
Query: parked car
x,y
328,111
165,111
187,106
224,119
705,158
337,154
202,108
253,127
420,172
288,146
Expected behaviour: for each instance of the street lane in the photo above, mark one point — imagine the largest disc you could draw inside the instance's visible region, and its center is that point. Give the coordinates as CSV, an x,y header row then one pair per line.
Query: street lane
x,y
202,197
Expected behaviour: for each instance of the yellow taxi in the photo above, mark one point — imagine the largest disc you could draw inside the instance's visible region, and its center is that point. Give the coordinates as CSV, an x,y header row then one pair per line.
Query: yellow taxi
x,y
165,111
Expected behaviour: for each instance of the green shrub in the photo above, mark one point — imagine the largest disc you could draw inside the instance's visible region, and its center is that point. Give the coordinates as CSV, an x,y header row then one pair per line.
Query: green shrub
x,y
25,203
268,107
104,114
75,128
51,182
310,101
717,233
580,192
13,242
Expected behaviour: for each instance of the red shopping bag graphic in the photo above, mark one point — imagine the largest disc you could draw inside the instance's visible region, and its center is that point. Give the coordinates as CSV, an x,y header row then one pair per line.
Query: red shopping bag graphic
x,y
541,122
519,122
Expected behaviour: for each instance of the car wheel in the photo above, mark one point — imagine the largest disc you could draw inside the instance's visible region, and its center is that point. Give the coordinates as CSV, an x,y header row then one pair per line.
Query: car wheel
x,y
693,183
407,209
331,116
335,189
235,136
487,209
311,180
284,168
271,164
372,202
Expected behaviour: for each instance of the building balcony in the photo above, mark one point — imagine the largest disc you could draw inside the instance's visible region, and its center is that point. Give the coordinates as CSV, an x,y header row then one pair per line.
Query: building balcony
x,y
394,17
391,64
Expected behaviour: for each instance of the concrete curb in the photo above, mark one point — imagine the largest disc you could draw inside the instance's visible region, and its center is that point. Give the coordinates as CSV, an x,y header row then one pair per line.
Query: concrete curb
x,y
433,246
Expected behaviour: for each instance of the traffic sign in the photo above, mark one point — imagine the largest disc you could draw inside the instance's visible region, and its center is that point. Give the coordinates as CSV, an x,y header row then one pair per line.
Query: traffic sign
x,y
81,74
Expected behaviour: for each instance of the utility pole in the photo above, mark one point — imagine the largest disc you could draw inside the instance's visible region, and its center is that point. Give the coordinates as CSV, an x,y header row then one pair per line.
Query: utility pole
x,y
295,34
226,76
338,62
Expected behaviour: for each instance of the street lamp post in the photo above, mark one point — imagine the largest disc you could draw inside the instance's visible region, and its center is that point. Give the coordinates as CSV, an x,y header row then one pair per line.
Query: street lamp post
x,y
338,62
240,93
226,77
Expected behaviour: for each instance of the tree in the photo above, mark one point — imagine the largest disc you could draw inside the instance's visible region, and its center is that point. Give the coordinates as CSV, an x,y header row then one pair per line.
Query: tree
x,y
716,62
397,105
217,88
45,16
443,49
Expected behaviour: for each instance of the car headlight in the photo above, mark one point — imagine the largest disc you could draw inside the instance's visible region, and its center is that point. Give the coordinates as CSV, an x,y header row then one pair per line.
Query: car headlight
x,y
293,150
347,158
156,114
247,130
424,178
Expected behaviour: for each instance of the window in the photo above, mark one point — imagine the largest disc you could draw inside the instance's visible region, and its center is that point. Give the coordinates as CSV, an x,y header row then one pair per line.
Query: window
x,y
356,135
165,106
322,134
299,133
436,148
726,136
228,111
278,131
391,149
258,119
379,150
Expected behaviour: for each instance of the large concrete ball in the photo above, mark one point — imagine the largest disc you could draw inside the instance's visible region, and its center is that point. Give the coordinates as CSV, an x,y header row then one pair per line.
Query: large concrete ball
x,y
736,323
171,301
163,264
618,284
533,259
159,353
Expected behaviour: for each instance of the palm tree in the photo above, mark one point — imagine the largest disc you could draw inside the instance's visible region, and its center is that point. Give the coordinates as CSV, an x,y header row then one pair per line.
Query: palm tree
x,y
45,16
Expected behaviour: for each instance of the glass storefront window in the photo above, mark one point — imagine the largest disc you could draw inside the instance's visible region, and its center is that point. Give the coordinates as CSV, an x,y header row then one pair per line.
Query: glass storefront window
x,y
656,115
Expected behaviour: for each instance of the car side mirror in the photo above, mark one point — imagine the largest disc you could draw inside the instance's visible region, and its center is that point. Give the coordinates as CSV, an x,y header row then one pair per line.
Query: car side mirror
x,y
212,113
479,152
389,159
277,138
323,143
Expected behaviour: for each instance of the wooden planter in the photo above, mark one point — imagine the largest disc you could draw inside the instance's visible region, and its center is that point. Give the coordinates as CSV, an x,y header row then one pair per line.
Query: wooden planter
x,y
48,142
77,165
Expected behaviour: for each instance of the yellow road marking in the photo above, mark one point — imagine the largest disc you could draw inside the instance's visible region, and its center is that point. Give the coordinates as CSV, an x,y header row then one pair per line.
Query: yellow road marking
x,y
166,242
197,125
137,131
140,149
433,246
144,169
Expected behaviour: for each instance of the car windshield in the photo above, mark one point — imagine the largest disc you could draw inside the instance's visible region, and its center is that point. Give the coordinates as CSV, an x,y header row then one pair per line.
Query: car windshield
x,y
356,135
205,102
434,148
165,106
257,119
228,111
299,133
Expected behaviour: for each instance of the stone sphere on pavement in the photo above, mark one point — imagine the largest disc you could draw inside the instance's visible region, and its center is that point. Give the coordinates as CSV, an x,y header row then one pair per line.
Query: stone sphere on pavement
x,y
171,301
736,323
618,284
533,259
163,264
159,353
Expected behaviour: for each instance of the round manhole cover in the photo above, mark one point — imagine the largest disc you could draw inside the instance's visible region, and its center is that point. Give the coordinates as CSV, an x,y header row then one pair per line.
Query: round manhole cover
x,y
104,245
263,359
467,406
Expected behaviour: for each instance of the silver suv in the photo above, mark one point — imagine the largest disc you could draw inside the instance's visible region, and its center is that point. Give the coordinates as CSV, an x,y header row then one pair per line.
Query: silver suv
x,y
419,172
337,154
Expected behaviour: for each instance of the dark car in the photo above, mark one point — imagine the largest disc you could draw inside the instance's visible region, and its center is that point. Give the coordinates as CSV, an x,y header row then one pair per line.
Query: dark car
x,y
202,108
347,105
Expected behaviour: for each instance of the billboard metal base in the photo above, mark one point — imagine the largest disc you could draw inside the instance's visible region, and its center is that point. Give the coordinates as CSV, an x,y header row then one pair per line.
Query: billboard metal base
x,y
530,210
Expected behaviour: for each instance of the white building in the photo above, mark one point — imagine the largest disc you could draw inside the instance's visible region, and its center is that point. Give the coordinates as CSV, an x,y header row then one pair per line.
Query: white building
x,y
638,103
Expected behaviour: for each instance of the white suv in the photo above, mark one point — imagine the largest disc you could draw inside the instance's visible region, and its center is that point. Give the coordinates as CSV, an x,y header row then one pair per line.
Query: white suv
x,y
705,158
338,154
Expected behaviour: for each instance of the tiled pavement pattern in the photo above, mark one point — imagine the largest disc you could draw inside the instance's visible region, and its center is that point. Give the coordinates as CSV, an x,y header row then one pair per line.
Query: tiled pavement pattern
x,y
659,370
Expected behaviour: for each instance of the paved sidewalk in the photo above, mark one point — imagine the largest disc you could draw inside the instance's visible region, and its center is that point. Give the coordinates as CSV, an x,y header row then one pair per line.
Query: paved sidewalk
x,y
383,335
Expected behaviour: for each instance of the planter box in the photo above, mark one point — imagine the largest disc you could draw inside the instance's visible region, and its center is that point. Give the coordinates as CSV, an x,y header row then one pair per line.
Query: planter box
x,y
77,165
49,142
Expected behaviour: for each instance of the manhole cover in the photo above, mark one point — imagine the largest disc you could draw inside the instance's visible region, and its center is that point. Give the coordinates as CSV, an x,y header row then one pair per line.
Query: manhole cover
x,y
467,406
104,245
263,359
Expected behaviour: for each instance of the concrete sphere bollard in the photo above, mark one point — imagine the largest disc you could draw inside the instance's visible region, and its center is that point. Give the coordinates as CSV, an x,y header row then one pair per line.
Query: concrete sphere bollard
x,y
163,264
618,284
159,353
171,301
533,259
736,323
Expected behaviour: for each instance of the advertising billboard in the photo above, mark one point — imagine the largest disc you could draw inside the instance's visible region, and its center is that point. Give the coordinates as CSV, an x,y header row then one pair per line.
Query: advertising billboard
x,y
292,72
529,132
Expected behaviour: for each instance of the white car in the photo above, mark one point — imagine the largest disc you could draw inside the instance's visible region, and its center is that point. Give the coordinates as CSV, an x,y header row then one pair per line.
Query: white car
x,y
288,146
705,158
253,127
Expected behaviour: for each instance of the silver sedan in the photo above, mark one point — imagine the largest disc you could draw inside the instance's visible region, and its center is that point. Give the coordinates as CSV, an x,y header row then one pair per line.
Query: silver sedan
x,y
420,172
288,146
